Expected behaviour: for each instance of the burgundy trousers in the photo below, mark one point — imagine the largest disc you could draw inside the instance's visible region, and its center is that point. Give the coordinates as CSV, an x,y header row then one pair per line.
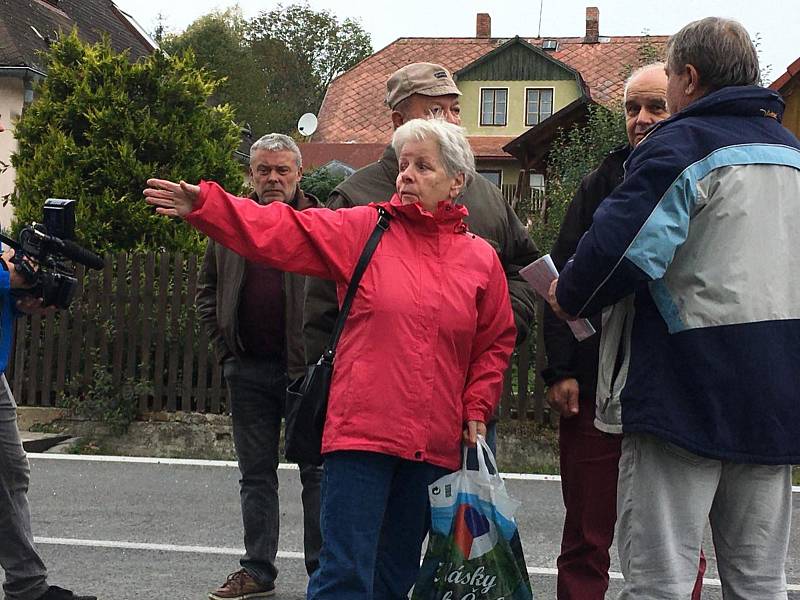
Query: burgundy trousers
x,y
589,471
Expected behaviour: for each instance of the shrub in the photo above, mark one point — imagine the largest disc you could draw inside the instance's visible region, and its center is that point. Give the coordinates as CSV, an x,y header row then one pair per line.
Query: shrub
x,y
101,126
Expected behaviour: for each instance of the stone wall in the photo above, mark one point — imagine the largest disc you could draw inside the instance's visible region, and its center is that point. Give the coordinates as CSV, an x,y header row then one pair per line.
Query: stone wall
x,y
522,447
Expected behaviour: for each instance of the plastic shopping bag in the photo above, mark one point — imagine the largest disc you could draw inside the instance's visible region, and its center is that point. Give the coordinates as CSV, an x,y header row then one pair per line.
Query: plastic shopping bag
x,y
474,551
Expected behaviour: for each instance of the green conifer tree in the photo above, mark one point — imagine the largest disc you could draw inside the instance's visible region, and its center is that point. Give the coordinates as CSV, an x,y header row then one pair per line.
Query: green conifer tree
x,y
102,125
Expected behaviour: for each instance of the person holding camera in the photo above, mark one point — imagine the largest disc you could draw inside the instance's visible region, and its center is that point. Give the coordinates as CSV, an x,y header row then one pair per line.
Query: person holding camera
x,y
26,575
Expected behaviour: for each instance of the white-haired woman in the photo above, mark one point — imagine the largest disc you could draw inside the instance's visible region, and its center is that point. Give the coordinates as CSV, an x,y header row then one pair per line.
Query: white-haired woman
x,y
421,360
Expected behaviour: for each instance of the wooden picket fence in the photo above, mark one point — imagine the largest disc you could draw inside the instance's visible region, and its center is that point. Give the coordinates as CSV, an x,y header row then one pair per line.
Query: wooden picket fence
x,y
509,192
136,321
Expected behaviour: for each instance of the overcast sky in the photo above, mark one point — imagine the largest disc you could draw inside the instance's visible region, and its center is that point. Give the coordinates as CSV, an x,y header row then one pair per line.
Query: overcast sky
x,y
775,21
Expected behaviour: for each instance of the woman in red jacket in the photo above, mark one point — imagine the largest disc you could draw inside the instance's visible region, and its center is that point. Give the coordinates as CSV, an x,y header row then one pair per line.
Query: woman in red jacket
x,y
420,362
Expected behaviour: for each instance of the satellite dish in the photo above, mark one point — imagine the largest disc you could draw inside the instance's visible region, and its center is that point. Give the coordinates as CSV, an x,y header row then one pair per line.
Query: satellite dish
x,y
307,124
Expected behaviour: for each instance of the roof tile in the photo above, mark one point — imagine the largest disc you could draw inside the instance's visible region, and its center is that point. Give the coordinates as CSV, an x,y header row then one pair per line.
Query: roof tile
x,y
354,155
21,46
353,109
791,71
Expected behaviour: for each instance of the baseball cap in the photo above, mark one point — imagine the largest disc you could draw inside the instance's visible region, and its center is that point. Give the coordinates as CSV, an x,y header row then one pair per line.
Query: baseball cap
x,y
427,79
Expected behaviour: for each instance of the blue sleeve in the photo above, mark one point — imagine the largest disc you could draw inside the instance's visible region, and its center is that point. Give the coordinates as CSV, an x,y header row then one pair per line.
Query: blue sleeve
x,y
7,314
635,231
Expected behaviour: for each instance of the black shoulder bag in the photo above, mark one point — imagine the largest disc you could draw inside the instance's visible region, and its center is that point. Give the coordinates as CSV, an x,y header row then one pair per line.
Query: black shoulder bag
x,y
307,397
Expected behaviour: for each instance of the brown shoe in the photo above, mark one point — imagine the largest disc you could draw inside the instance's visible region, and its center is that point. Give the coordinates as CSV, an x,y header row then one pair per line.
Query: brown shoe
x,y
241,586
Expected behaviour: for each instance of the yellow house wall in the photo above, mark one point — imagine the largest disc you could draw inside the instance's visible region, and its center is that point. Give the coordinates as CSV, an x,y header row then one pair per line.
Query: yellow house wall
x,y
510,170
791,116
11,94
564,92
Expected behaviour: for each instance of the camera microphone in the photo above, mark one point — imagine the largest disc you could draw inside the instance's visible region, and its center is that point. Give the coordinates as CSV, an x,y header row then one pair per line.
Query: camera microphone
x,y
81,255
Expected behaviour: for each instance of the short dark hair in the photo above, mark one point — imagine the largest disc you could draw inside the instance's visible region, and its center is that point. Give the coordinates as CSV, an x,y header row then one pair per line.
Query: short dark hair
x,y
720,49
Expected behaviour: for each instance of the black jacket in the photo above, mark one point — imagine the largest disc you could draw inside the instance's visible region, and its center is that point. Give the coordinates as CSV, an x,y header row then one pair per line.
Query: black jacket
x,y
566,356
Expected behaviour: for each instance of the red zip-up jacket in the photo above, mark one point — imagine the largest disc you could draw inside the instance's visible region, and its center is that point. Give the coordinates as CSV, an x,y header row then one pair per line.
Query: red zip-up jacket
x,y
431,328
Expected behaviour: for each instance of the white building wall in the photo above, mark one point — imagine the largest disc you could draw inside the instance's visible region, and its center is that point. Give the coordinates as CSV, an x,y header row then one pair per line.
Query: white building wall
x,y
11,95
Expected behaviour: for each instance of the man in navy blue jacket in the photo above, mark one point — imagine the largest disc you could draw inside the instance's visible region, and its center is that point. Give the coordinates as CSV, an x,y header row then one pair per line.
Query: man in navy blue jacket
x,y
696,248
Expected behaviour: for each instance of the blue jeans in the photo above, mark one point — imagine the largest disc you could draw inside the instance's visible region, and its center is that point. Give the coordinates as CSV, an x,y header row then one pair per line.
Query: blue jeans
x,y
375,515
257,391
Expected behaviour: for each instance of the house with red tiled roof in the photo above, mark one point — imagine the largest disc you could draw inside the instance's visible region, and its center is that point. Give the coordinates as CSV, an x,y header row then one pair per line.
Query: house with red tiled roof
x,y
509,88
26,29
788,86
355,156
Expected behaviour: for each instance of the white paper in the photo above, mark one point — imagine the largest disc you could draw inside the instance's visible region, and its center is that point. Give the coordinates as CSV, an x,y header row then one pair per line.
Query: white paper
x,y
540,274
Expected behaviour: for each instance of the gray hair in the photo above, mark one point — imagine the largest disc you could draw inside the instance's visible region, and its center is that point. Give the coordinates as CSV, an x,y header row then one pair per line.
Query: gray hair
x,y
639,71
277,142
454,150
720,49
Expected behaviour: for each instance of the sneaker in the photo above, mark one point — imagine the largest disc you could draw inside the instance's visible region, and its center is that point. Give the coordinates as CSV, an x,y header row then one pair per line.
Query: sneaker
x,y
242,586
56,593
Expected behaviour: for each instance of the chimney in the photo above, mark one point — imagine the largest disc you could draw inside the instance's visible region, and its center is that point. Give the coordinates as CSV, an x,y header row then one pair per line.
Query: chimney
x,y
592,25
483,27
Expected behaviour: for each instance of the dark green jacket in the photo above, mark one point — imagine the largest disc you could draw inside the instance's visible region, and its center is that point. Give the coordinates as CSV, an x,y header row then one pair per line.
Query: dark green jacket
x,y
219,290
490,217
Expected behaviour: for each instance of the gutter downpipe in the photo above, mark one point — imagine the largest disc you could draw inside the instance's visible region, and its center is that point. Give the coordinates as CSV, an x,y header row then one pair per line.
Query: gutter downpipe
x,y
29,76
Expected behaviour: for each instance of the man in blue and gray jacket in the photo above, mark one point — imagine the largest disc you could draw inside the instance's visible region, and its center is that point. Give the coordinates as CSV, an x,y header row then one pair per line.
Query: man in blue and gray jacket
x,y
695,250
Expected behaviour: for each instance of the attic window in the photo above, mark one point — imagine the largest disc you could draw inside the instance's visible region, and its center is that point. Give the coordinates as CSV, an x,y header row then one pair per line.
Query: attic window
x,y
551,45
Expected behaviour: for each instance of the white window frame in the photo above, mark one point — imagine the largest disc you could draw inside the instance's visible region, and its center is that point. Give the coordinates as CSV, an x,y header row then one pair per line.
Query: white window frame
x,y
525,103
533,187
498,171
480,107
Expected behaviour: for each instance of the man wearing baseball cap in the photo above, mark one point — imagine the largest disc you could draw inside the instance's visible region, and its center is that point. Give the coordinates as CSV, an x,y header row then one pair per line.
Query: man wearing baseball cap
x,y
424,91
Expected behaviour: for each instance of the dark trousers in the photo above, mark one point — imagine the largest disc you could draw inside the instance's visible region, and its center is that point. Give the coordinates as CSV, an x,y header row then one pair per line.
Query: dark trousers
x,y
26,576
589,469
257,391
375,515
589,472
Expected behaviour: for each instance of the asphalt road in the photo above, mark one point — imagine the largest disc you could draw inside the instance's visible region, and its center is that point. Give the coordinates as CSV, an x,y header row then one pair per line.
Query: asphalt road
x,y
172,531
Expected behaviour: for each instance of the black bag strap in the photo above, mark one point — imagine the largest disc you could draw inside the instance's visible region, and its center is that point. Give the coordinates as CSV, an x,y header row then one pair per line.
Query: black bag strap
x,y
366,254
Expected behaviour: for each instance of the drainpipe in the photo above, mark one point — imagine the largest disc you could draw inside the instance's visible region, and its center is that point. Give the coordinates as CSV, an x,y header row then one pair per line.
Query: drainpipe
x,y
29,76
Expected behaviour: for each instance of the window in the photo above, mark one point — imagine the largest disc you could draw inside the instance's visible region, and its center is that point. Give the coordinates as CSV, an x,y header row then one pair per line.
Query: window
x,y
538,105
537,182
495,177
494,102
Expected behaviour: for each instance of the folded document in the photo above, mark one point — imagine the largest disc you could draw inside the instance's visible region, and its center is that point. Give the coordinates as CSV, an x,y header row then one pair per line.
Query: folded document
x,y
540,274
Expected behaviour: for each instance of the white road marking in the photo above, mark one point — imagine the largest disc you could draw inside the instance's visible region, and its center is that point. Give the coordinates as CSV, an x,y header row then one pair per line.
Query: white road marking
x,y
281,554
197,462
147,460
150,546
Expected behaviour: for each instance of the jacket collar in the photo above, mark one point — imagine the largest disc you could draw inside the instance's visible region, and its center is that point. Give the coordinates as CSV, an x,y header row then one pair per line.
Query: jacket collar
x,y
389,163
734,101
446,213
300,201
617,156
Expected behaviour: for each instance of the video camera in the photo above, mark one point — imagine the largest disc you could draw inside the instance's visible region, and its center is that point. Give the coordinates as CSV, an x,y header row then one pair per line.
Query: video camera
x,y
41,252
